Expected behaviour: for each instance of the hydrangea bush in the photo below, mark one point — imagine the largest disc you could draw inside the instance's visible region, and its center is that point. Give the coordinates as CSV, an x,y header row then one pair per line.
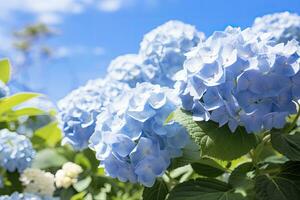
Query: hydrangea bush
x,y
235,77
185,118
283,26
131,138
16,152
161,55
78,110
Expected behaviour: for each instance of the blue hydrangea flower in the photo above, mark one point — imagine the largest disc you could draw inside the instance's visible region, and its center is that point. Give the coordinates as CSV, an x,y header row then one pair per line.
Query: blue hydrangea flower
x,y
241,78
131,139
25,196
161,55
129,69
284,26
4,91
78,110
16,152
163,50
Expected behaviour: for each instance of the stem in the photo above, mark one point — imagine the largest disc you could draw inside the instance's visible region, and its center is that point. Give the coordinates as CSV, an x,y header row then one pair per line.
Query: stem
x,y
255,153
172,181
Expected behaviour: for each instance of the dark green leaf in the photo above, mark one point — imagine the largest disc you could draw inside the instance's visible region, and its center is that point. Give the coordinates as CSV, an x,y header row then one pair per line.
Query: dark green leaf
x,y
208,189
242,176
291,171
208,167
217,141
275,188
65,194
287,144
4,70
48,158
158,192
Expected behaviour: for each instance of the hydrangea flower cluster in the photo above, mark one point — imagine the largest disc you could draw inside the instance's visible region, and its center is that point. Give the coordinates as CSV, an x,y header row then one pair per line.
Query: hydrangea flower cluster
x,y
16,152
161,55
78,110
284,26
37,181
68,175
25,196
4,91
163,49
131,139
129,69
236,77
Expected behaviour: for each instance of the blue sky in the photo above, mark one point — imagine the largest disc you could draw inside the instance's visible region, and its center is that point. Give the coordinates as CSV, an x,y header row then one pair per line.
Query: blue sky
x,y
93,32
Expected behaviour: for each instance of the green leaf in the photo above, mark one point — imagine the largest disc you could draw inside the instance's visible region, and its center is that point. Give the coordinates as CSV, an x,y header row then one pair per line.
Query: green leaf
x,y
242,176
291,171
275,188
82,184
4,70
78,196
8,103
217,141
83,161
48,158
66,194
158,192
50,133
208,167
287,144
208,189
190,154
14,115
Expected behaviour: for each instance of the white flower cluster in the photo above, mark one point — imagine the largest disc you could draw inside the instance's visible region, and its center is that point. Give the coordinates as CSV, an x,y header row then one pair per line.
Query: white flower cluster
x,y
283,26
68,175
38,182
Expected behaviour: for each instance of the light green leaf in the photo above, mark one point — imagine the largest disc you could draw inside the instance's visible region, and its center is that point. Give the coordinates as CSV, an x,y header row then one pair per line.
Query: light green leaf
x,y
208,167
275,188
82,160
287,144
14,115
8,103
83,184
217,141
48,158
78,196
158,192
50,133
4,70
202,188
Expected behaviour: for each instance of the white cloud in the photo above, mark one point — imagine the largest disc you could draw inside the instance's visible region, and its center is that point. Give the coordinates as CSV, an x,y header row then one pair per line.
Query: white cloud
x,y
49,11
68,51
110,5
52,11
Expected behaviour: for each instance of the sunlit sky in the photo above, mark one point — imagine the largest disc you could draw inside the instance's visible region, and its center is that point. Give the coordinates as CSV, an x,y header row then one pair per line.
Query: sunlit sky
x,y
93,32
